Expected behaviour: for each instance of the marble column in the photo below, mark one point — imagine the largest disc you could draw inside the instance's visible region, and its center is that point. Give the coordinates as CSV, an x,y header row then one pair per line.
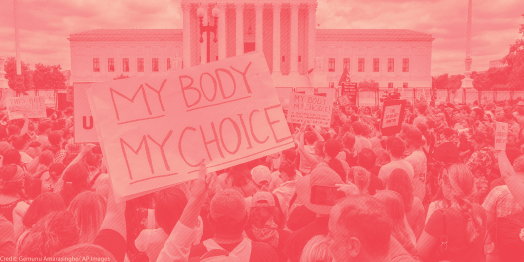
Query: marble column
x,y
186,8
222,31
277,7
312,25
259,9
294,39
239,9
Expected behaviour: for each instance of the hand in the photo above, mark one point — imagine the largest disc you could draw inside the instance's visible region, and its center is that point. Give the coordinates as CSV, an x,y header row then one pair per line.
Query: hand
x,y
87,148
348,189
303,126
199,186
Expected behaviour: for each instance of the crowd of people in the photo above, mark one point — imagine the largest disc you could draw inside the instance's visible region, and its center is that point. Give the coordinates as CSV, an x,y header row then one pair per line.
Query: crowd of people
x,y
435,191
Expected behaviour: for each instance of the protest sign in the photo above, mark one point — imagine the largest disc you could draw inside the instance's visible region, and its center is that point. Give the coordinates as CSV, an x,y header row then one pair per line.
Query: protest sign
x,y
392,116
85,131
501,135
156,130
343,100
30,106
49,97
314,109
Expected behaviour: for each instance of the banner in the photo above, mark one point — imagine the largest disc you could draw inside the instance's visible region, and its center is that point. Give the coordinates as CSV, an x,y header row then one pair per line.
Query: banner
x,y
84,126
156,130
30,106
501,135
315,109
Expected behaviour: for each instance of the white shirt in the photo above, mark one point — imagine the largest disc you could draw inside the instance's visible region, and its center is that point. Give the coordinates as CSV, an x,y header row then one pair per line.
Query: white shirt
x,y
386,169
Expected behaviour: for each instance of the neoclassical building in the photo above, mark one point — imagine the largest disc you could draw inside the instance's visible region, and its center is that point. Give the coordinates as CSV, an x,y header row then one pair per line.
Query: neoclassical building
x,y
297,53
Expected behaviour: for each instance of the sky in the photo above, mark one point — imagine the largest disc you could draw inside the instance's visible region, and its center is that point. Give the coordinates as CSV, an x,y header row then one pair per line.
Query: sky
x,y
45,25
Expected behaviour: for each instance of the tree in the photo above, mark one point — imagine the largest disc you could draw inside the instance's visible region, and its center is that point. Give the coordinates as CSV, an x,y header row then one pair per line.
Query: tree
x,y
368,85
10,74
515,62
445,81
48,77
121,76
493,78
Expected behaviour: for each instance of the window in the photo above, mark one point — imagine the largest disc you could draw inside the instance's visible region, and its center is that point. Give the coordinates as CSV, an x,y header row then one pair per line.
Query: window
x,y
346,64
283,58
155,65
299,59
125,65
96,65
405,85
405,65
391,65
110,65
140,65
376,64
390,85
331,64
168,63
361,64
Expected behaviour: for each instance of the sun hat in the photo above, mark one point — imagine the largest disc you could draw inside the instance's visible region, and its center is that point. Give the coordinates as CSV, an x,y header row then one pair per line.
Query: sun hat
x,y
262,199
228,203
261,174
320,176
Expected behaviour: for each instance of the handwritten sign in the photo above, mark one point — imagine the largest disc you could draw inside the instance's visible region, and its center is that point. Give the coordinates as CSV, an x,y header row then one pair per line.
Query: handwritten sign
x,y
30,106
156,130
391,116
315,109
343,100
501,136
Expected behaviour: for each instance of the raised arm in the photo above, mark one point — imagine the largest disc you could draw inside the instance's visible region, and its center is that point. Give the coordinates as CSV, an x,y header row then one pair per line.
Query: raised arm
x,y
301,150
78,158
513,181
24,129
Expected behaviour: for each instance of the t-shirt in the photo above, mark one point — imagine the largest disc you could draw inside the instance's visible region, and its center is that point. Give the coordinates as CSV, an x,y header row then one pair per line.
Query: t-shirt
x,y
25,158
419,162
459,249
113,242
298,239
386,169
416,217
305,165
447,152
151,241
260,252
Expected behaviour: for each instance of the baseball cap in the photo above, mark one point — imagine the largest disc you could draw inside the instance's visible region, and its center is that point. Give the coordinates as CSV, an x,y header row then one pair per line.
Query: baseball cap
x,y
320,176
261,174
262,199
228,203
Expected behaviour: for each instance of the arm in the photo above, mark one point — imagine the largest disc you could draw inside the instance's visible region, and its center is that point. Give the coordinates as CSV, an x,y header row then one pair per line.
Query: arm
x,y
78,158
425,245
23,131
514,182
319,136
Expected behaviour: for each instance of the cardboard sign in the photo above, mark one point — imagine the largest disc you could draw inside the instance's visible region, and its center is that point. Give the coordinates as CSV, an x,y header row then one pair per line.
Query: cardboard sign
x,y
392,116
30,106
315,109
156,130
343,100
501,136
85,131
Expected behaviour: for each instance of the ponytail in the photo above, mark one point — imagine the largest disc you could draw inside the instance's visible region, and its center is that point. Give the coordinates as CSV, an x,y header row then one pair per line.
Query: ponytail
x,y
337,166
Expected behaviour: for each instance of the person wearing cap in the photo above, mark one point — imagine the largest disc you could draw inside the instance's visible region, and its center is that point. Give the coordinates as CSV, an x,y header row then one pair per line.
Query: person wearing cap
x,y
519,113
320,177
418,161
261,226
395,149
482,163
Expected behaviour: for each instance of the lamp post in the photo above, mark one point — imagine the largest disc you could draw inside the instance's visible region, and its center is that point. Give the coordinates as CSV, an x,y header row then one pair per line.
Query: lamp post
x,y
201,12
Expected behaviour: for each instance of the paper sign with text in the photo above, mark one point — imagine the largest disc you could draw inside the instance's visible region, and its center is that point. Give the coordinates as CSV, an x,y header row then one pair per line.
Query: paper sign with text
x,y
30,106
391,116
343,100
315,109
85,129
501,136
156,130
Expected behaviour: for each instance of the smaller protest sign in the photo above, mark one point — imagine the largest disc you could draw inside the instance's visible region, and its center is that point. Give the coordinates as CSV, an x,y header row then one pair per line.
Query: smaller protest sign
x,y
30,106
343,100
501,136
392,116
314,109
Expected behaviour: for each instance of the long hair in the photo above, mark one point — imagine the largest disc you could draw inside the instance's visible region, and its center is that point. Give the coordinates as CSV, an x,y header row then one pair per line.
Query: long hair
x,y
316,249
75,181
361,177
399,182
463,187
93,160
332,149
89,210
41,206
395,208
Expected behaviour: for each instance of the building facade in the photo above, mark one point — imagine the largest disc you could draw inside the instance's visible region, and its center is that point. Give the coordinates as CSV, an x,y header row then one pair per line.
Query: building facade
x,y
297,54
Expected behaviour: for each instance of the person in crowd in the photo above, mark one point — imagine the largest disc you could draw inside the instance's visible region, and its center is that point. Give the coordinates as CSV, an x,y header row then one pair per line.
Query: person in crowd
x,y
519,113
421,111
307,144
288,155
447,152
261,177
382,157
442,198
418,161
367,160
395,148
360,177
287,189
319,177
97,178
11,190
456,233
56,140
401,230
75,182
261,226
239,178
21,144
332,148
482,163
399,182
43,128
316,249
50,178
348,153
89,209
361,142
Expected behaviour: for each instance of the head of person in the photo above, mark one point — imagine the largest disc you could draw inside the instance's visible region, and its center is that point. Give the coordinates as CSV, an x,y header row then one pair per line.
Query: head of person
x,y
52,233
56,170
449,134
287,171
479,140
395,147
520,108
20,143
331,149
358,128
228,214
55,138
359,229
169,205
361,178
354,118
367,110
466,110
382,156
93,160
46,158
319,148
44,127
399,182
348,141
310,137
239,175
76,181
414,138
289,155
477,113
41,206
367,158
12,156
518,165
68,112
89,210
4,147
261,176
261,214
316,249
462,185
421,108
11,180
89,252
